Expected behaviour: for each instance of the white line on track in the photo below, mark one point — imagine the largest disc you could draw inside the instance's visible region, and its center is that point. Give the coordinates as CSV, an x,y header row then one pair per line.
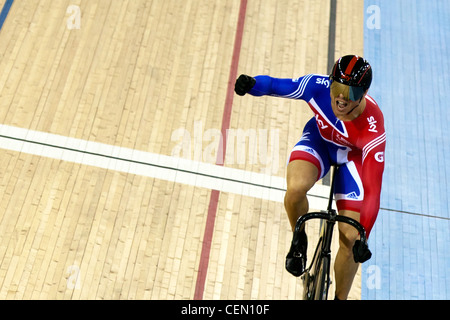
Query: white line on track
x,y
174,169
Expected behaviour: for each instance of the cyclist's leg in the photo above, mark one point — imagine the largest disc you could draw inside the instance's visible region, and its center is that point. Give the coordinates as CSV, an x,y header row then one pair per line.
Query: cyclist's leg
x,y
345,267
308,163
306,166
349,194
301,177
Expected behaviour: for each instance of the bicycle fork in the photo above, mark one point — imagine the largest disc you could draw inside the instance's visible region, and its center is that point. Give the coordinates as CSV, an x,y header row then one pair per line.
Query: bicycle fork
x,y
327,231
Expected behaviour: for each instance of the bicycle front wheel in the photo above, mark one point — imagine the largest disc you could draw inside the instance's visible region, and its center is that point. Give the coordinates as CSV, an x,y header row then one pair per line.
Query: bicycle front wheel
x,y
322,278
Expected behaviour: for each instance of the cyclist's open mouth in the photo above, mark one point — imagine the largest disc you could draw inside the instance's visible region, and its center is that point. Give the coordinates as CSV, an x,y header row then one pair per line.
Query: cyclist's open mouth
x,y
341,105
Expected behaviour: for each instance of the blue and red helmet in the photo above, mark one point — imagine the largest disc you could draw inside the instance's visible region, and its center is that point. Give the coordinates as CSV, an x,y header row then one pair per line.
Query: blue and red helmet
x,y
355,72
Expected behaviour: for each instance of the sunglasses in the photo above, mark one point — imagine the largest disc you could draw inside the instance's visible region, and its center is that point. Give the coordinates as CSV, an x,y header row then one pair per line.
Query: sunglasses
x,y
356,93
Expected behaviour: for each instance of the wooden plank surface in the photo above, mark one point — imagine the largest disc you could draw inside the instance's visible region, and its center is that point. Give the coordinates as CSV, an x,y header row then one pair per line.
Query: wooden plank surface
x,y
145,75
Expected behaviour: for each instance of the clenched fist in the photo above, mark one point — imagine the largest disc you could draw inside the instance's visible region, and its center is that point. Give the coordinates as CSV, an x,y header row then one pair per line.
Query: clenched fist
x,y
244,84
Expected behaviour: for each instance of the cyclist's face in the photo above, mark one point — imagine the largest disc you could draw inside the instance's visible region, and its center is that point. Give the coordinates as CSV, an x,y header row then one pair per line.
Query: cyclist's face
x,y
342,106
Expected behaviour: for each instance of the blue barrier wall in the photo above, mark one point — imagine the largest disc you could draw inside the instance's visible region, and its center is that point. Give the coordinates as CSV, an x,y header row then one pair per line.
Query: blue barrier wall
x,y
407,43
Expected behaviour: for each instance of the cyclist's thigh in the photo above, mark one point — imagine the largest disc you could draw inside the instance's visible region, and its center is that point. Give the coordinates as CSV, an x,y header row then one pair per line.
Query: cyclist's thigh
x,y
348,189
309,159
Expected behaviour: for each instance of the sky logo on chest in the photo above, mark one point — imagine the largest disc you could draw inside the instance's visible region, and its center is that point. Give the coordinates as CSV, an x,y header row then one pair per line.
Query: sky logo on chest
x,y
324,113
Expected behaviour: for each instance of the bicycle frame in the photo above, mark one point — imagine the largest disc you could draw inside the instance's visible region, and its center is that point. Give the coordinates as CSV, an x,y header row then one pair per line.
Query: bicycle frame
x,y
322,255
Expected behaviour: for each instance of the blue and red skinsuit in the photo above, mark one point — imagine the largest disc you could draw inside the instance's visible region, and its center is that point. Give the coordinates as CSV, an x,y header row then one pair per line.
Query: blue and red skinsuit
x,y
358,146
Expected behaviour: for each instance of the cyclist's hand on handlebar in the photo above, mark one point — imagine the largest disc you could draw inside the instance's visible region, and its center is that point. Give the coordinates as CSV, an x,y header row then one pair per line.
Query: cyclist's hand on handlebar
x,y
361,252
244,84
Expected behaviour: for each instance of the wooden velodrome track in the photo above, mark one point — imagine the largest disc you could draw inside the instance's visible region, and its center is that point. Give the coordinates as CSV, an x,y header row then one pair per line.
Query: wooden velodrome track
x,y
135,74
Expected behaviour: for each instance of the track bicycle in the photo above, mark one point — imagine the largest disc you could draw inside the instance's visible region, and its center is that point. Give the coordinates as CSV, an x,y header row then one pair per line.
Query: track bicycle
x,y
316,278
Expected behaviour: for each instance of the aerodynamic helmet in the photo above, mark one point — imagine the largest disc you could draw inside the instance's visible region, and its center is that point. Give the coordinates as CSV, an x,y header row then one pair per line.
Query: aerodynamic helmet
x,y
355,72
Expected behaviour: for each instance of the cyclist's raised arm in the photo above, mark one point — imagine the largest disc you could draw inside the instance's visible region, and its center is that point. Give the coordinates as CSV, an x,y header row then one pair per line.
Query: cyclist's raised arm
x,y
265,85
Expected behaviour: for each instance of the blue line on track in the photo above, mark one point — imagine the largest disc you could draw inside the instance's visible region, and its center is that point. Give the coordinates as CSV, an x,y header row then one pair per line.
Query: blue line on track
x,y
5,11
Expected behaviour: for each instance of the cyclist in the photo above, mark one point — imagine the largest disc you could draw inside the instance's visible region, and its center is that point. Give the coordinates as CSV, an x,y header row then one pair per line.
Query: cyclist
x,y
347,129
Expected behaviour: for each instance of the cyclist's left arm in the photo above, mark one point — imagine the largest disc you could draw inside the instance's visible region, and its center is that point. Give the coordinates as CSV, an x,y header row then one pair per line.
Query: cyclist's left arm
x,y
372,175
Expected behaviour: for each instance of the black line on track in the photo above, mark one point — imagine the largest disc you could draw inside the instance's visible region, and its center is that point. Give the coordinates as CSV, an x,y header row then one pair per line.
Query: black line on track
x,y
197,173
